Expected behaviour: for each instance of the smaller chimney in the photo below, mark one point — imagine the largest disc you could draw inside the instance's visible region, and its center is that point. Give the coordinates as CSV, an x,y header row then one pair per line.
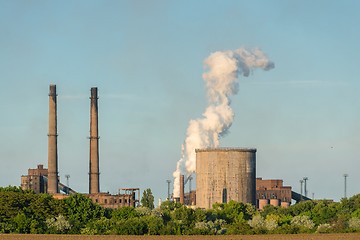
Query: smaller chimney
x,y
52,143
182,189
94,185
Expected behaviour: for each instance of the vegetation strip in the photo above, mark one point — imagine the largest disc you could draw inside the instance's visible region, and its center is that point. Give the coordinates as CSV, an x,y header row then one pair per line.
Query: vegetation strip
x,y
26,212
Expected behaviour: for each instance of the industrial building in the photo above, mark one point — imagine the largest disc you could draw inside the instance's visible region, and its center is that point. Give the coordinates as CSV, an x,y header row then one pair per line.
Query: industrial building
x,y
272,191
42,180
35,179
224,174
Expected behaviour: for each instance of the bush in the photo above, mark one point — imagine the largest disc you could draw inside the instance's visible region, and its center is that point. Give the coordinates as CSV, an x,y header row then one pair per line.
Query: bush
x,y
257,222
324,228
303,222
354,223
58,224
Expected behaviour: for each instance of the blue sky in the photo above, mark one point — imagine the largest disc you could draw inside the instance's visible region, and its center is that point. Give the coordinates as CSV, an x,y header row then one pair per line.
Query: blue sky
x,y
146,58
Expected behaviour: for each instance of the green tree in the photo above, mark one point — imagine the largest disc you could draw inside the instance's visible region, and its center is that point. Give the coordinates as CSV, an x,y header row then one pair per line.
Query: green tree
x,y
124,213
12,189
324,212
79,210
102,226
147,199
154,224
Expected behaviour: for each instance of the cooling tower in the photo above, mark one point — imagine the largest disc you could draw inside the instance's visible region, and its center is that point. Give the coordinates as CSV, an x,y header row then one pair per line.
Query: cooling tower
x,y
224,174
52,143
94,186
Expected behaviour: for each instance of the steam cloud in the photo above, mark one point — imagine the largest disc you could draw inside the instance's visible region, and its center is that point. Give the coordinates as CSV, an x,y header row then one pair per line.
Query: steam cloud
x,y
223,69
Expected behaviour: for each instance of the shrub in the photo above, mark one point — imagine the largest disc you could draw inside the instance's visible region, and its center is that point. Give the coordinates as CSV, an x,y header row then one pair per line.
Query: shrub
x,y
324,228
354,223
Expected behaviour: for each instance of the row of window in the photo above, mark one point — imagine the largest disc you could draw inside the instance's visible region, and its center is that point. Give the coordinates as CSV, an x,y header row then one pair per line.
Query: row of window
x,y
115,201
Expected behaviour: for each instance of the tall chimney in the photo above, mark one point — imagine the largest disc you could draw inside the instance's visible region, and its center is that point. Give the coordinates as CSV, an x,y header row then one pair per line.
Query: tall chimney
x,y
52,143
94,186
182,189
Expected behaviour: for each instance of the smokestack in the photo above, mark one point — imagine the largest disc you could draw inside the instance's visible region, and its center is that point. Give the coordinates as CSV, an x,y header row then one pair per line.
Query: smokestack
x,y
94,186
52,143
182,189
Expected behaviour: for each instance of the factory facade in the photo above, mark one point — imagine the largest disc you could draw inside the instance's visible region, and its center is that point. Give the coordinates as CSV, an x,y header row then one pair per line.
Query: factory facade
x,y
273,192
35,179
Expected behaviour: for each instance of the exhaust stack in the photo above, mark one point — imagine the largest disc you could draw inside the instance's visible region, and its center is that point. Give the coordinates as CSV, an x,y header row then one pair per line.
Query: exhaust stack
x,y
94,186
182,189
52,143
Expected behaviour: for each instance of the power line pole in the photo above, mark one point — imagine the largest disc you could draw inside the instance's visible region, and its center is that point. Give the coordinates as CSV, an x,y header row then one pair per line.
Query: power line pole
x,y
67,176
168,183
305,189
345,176
301,189
190,178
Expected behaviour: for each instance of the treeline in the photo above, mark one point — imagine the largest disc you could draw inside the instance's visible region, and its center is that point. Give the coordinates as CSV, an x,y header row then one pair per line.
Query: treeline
x,y
26,212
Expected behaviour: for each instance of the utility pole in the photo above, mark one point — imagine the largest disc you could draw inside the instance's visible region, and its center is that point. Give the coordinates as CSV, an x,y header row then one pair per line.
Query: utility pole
x,y
67,176
305,189
301,189
345,176
168,183
190,178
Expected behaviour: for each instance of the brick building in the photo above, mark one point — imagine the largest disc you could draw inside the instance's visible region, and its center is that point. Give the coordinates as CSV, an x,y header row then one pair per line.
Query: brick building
x,y
272,191
35,180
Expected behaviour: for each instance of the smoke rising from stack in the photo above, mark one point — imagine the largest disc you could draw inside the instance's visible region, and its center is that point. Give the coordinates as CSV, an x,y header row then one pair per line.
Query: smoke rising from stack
x,y
223,69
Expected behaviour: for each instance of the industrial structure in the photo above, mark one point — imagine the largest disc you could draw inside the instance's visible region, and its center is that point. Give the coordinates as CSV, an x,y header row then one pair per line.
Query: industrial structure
x,y
52,143
272,191
42,180
125,198
224,174
94,182
37,180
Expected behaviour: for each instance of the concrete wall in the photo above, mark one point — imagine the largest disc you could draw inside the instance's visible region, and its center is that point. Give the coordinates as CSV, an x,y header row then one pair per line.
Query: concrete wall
x,y
224,174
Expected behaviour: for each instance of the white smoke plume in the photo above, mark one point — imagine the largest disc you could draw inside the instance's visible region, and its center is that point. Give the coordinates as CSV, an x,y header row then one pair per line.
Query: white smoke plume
x,y
223,69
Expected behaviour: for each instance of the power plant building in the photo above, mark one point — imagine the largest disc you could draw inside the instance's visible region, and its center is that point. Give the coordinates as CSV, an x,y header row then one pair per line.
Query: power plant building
x,y
273,192
224,174
35,180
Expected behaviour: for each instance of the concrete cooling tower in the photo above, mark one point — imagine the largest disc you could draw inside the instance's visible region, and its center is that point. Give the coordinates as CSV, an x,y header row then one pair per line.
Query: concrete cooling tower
x,y
224,174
